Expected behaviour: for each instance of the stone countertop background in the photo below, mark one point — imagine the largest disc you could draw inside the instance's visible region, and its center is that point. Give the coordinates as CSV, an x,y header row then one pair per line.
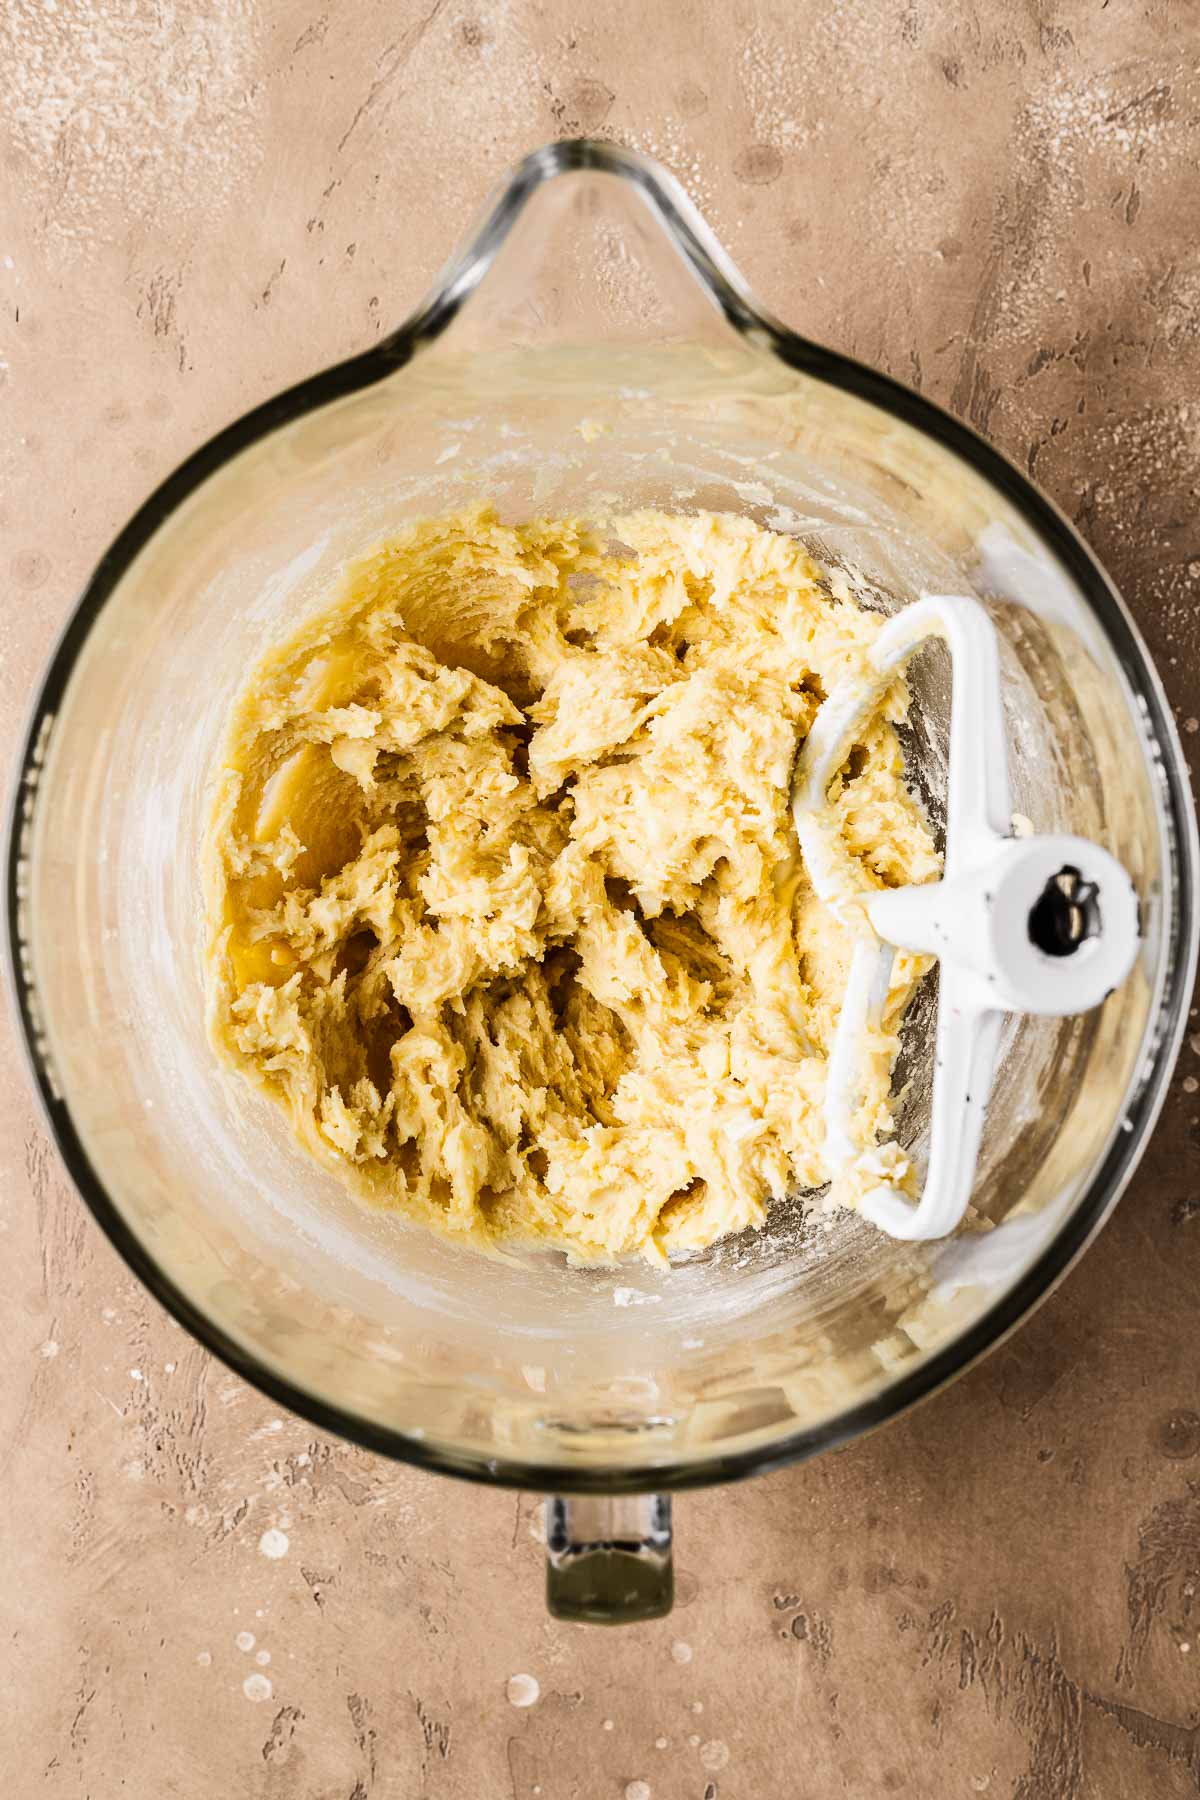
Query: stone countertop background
x,y
200,202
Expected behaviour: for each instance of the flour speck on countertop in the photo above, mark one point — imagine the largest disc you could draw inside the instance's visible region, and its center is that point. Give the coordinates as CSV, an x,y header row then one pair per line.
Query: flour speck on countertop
x,y
274,1543
257,1687
681,1652
714,1755
522,1690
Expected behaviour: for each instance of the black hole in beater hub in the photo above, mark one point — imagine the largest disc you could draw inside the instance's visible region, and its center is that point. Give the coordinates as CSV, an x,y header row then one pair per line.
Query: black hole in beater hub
x,y
1065,914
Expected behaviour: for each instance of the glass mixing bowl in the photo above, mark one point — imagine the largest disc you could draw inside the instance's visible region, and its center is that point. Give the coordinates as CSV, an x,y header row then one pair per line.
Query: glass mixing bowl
x,y
590,344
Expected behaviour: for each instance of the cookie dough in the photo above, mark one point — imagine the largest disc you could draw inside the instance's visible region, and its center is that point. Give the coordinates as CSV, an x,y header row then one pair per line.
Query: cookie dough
x,y
504,900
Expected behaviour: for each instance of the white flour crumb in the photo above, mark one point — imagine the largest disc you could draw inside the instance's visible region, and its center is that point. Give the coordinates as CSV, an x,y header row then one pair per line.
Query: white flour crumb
x,y
274,1543
522,1690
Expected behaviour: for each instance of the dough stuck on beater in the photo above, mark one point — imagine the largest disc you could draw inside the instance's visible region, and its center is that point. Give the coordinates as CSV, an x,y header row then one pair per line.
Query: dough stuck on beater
x,y
504,901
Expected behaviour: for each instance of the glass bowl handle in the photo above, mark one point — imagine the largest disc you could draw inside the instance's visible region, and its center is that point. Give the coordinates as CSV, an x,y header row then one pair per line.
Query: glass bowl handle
x,y
608,1558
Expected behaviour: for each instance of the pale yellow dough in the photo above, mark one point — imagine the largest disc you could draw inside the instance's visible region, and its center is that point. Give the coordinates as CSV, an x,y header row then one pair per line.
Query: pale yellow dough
x,y
504,900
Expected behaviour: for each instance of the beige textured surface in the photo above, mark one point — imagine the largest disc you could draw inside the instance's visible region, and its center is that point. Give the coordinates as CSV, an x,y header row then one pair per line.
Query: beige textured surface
x,y
201,202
